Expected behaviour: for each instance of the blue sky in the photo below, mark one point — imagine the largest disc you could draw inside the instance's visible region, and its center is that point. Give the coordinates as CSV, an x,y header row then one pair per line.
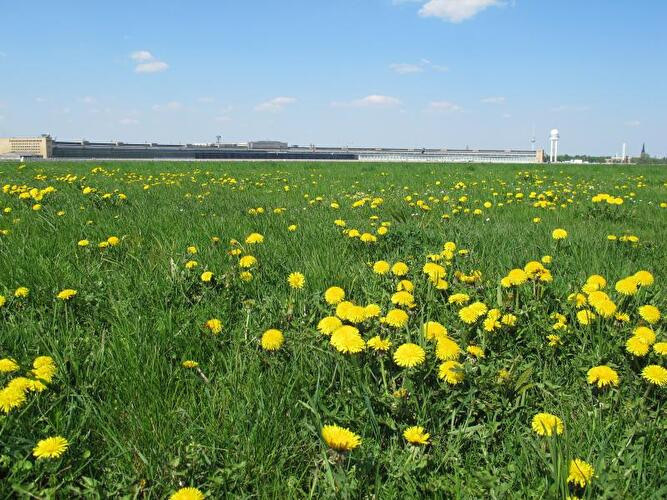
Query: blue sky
x,y
438,73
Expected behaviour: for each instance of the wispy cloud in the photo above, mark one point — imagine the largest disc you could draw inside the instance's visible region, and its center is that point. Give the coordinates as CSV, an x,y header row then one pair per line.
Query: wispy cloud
x,y
88,100
147,62
633,123
493,100
456,11
275,104
568,107
205,99
444,106
373,100
405,69
40,99
169,106
128,121
420,67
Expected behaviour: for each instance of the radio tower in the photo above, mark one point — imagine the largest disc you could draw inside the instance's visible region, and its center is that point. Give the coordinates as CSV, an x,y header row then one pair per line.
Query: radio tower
x,y
532,140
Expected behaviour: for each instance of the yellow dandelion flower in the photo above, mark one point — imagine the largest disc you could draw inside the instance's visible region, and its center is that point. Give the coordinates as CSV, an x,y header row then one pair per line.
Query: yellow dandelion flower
x,y
447,350
334,295
340,438
650,314
247,261
188,363
434,330
645,333
644,278
215,325
11,397
404,299
83,243
381,267
545,424
8,365
581,473
559,234
405,285
296,280
52,447
451,372
660,348
416,435
378,344
409,355
191,264
206,276
459,299
517,277
396,318
554,340
254,238
187,493
66,294
113,240
637,346
372,311
585,316
346,339
191,250
328,325
627,286
272,340
602,375
400,269
475,351
655,374
21,292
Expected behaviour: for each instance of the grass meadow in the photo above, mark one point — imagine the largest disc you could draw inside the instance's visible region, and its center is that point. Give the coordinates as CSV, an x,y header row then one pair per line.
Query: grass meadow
x,y
503,318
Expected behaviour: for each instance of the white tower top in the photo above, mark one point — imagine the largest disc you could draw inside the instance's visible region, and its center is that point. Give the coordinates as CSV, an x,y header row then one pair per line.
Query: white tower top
x,y
553,154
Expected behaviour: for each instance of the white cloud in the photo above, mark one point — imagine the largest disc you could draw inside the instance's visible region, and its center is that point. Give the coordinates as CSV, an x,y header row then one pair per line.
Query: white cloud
x,y
633,123
493,100
3,54
147,63
128,121
275,104
88,100
373,100
404,69
141,56
169,106
444,106
205,99
507,115
567,107
40,99
423,65
222,118
151,67
455,11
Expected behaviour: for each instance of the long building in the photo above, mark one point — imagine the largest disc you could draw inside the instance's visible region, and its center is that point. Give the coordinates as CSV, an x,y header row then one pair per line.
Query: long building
x,y
46,148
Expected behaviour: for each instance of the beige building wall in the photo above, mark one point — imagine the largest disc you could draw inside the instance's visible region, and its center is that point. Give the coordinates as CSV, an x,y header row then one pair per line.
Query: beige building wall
x,y
539,156
27,146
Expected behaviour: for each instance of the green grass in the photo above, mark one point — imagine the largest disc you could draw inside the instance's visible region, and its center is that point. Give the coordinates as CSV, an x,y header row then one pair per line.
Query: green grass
x,y
141,425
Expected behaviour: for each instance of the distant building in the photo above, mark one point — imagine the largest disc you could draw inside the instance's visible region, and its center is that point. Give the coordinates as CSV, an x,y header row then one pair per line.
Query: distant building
x,y
27,146
45,147
267,145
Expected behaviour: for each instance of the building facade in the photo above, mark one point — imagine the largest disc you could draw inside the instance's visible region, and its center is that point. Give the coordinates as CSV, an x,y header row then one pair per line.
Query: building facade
x,y
27,146
45,147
